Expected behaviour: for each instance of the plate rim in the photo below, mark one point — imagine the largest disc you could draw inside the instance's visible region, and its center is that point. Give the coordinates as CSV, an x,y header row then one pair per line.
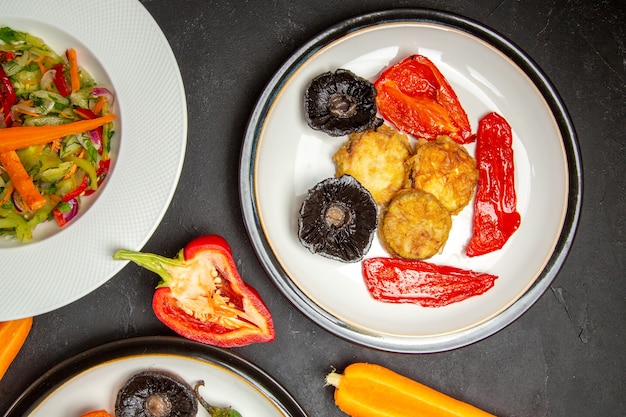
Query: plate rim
x,y
317,314
176,346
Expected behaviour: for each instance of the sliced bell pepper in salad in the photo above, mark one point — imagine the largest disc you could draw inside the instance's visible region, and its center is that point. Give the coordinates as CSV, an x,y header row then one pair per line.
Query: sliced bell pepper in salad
x,y
397,280
416,98
495,216
202,297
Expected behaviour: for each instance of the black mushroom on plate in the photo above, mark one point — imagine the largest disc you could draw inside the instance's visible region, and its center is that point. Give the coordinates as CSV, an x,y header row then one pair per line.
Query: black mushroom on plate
x,y
340,103
337,219
156,394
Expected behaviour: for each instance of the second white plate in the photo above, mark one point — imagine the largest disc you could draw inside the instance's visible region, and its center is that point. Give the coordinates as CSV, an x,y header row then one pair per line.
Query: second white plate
x,y
283,158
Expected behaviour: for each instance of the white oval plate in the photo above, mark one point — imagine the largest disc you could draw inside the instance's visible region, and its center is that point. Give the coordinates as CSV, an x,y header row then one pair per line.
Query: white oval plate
x,y
122,46
91,380
283,158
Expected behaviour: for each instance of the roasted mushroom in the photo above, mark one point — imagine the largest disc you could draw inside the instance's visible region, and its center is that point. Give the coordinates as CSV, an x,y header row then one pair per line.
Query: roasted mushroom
x,y
155,394
338,219
340,103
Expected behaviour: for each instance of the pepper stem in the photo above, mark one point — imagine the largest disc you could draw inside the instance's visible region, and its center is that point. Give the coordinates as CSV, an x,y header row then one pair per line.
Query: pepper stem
x,y
212,410
152,262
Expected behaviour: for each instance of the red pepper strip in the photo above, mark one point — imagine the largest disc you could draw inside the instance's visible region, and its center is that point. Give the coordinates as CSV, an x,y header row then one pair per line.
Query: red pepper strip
x,y
495,213
101,173
78,190
6,56
63,217
416,98
6,111
203,298
88,114
7,88
60,82
85,113
396,280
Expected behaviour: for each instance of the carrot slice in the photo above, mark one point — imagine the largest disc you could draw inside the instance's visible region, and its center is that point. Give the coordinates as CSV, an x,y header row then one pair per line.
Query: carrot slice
x,y
13,333
74,78
22,182
97,108
96,413
12,138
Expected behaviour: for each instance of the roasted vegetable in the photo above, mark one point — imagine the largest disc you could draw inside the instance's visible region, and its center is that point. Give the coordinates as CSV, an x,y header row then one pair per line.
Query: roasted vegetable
x,y
13,333
155,394
415,225
337,219
495,208
340,103
416,98
376,159
367,390
394,280
203,298
445,169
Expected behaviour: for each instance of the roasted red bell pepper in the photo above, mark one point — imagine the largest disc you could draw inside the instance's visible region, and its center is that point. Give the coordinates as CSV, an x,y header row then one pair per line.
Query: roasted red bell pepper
x,y
397,280
495,216
416,98
202,297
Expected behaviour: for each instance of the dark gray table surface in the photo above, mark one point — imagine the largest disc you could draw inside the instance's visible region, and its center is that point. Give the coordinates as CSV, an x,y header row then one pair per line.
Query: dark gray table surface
x,y
563,357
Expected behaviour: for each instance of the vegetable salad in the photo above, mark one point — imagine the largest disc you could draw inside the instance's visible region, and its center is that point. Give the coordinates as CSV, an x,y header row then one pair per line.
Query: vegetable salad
x,y
39,88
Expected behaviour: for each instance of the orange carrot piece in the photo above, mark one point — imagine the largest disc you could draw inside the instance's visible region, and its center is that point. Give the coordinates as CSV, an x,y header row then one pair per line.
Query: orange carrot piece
x,y
7,193
96,413
13,333
42,69
22,182
74,77
55,144
97,108
13,138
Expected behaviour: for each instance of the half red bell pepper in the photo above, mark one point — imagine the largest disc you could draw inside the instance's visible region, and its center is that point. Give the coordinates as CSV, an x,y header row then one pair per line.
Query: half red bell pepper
x,y
397,280
495,216
416,98
202,297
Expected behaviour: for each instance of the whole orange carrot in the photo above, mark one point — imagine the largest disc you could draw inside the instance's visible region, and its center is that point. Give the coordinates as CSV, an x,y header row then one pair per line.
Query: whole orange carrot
x,y
13,138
